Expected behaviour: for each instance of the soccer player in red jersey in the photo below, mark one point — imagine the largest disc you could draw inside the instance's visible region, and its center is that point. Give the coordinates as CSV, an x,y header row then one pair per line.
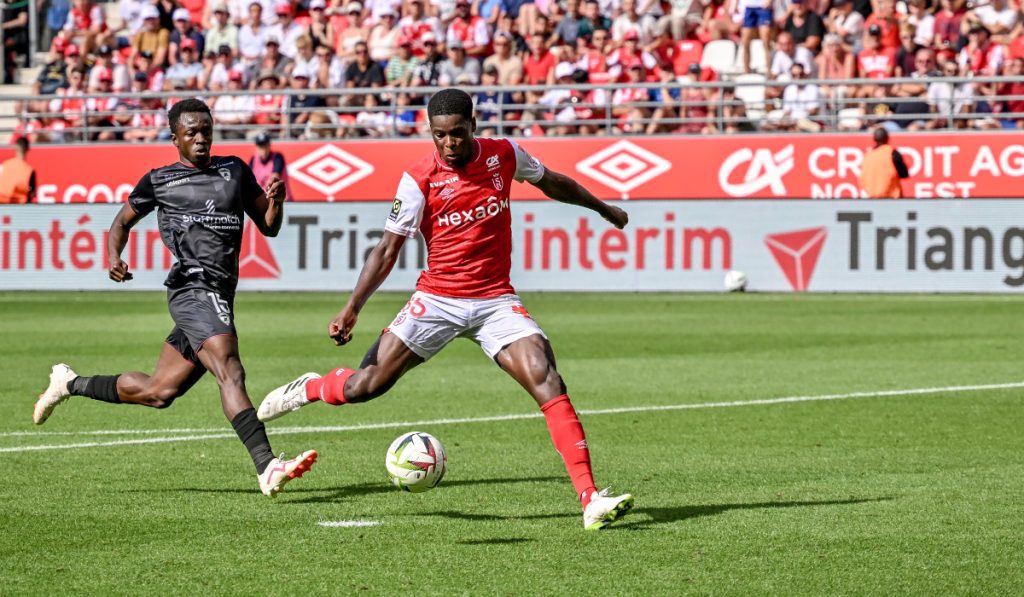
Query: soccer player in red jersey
x,y
458,198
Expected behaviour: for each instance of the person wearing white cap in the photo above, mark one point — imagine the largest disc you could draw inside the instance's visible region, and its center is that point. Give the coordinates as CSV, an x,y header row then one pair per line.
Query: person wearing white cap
x,y
221,32
183,30
320,29
354,32
299,106
384,37
153,39
378,8
457,65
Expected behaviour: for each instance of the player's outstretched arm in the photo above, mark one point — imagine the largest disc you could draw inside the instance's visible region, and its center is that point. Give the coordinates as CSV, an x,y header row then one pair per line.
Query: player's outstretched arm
x,y
266,210
565,189
376,269
116,241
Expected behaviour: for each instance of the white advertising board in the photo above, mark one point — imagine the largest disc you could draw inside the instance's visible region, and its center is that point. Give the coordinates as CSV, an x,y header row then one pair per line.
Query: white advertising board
x,y
847,246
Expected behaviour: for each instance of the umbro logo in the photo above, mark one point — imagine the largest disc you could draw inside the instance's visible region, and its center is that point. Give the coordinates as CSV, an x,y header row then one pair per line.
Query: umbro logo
x,y
180,181
446,193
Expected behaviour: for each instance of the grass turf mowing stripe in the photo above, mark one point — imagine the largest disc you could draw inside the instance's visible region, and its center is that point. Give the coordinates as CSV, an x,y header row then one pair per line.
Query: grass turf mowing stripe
x,y
345,524
514,417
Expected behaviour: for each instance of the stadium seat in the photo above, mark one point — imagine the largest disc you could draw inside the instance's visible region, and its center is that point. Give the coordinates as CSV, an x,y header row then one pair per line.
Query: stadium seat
x,y
851,119
751,95
719,55
758,59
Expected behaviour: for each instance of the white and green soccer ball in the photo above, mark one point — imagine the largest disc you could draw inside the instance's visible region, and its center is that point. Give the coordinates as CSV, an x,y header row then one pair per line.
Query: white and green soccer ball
x,y
416,462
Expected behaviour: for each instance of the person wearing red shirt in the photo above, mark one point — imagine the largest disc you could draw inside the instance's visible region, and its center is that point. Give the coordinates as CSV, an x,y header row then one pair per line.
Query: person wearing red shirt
x,y
458,199
887,22
947,23
594,59
874,62
629,53
1013,108
269,107
539,64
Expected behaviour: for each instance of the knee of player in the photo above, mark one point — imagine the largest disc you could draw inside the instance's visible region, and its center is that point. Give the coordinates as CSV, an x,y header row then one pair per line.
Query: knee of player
x,y
161,397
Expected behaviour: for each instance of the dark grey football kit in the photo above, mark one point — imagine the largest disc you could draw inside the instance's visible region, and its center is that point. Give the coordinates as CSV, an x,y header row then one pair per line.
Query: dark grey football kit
x,y
201,215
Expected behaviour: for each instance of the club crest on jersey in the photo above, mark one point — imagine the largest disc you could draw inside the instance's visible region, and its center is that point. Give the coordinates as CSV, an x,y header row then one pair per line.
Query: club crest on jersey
x,y
499,184
493,162
225,174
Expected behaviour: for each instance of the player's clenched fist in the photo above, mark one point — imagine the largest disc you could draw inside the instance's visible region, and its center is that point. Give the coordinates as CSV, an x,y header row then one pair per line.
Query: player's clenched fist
x,y
340,328
119,270
616,217
275,189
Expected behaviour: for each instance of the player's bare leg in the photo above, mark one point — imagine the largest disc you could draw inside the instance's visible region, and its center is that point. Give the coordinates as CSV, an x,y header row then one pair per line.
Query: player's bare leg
x,y
384,364
531,362
219,354
171,378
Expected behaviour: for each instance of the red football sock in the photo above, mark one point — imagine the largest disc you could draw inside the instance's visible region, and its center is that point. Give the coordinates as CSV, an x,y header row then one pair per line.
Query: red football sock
x,y
329,388
570,441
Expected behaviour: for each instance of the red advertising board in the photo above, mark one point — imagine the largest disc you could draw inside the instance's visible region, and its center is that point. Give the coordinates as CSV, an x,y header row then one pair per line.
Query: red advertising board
x,y
765,167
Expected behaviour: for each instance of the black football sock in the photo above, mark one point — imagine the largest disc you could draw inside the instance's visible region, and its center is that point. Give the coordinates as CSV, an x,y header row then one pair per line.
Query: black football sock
x,y
254,435
97,387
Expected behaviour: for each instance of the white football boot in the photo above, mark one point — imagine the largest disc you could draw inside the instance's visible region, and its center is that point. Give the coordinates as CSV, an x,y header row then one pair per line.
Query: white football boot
x,y
605,509
288,398
280,471
55,393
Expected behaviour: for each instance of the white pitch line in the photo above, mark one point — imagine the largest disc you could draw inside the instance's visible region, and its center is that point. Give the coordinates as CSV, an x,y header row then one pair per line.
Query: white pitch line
x,y
215,434
335,524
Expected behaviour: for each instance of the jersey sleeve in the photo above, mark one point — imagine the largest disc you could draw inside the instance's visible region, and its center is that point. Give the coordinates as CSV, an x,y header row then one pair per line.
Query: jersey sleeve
x,y
407,210
528,168
143,197
248,185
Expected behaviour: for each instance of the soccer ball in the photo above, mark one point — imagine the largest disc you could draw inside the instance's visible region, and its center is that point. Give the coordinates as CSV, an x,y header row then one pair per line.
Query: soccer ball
x,y
735,281
416,462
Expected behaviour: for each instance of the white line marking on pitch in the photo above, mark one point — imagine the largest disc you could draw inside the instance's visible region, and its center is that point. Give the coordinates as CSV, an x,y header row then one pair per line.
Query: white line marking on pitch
x,y
335,524
217,434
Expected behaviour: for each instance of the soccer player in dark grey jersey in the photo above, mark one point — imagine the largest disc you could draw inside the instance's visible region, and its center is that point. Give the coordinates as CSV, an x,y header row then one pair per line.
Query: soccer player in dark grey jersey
x,y
201,202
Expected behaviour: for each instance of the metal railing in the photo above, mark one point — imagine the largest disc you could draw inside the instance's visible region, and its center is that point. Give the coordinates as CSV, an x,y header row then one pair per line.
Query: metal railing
x,y
740,106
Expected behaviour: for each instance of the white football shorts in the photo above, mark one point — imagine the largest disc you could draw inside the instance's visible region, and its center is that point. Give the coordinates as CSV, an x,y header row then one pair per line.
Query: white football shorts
x,y
428,323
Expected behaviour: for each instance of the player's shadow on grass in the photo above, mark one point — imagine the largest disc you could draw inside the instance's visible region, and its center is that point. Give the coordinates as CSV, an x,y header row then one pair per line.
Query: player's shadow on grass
x,y
318,495
337,494
656,516
508,541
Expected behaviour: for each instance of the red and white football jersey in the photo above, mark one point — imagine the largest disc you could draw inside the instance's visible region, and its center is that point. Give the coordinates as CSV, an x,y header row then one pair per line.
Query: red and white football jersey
x,y
465,218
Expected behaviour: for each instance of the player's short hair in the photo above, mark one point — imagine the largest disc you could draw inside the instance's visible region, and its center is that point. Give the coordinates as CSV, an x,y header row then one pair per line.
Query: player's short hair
x,y
187,106
22,144
450,101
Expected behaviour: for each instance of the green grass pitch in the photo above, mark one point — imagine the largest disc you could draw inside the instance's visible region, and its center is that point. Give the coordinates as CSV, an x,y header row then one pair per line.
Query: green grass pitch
x,y
906,494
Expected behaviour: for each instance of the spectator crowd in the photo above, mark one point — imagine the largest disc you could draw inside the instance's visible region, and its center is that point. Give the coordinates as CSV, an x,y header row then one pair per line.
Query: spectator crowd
x,y
332,54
